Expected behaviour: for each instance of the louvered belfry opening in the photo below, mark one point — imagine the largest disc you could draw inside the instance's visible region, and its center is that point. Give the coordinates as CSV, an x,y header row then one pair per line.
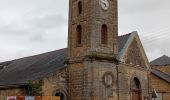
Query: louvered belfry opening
x,y
79,33
79,7
104,34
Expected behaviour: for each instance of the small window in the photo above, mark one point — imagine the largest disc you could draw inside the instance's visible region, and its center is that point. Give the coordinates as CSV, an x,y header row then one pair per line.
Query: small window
x,y
79,33
104,34
79,7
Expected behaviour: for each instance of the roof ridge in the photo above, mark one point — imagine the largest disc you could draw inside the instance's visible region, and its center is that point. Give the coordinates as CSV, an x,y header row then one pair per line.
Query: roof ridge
x,y
162,60
125,34
164,56
33,55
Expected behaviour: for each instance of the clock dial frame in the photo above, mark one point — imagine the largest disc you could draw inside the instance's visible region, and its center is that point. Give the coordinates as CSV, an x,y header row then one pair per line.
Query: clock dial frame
x,y
104,4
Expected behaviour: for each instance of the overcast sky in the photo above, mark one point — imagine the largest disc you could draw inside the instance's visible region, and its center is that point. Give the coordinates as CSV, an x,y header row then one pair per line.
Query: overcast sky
x,y
29,27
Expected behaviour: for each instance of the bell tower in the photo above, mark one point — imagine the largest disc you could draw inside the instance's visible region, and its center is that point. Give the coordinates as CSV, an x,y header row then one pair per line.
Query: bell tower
x,y
92,47
92,28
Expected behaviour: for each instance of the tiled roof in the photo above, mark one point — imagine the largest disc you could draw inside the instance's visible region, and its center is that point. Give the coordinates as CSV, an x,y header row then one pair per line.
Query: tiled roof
x,y
163,60
161,74
34,67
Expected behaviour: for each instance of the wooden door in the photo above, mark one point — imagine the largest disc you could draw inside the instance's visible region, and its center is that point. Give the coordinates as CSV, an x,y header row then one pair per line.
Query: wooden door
x,y
136,96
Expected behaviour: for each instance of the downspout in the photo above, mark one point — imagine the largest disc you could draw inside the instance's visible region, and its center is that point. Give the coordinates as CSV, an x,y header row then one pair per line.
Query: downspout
x,y
117,78
149,85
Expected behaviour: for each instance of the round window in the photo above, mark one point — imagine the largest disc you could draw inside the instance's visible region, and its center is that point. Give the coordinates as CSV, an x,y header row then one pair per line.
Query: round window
x,y
108,79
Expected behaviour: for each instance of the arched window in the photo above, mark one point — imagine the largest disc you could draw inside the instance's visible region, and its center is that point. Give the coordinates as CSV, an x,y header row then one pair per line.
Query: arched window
x,y
79,7
79,32
136,84
104,34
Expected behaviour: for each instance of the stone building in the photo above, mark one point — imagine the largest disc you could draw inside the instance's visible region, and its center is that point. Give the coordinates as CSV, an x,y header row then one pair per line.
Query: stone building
x,y
97,64
160,77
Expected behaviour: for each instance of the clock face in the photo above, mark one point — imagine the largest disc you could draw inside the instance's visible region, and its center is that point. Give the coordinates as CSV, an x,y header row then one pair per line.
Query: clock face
x,y
104,4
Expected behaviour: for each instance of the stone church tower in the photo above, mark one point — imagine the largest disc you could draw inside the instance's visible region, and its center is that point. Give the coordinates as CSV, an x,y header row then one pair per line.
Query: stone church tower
x,y
92,48
97,65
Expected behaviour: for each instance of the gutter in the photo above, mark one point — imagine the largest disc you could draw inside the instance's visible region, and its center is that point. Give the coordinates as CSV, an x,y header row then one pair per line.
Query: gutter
x,y
11,86
117,78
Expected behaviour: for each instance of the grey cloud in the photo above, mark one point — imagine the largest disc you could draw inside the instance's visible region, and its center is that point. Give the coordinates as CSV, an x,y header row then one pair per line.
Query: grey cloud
x,y
141,6
51,21
147,17
29,27
36,38
12,30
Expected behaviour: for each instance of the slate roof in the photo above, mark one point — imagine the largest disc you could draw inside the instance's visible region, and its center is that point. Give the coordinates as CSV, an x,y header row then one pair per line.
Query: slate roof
x,y
17,72
31,68
161,74
163,60
122,41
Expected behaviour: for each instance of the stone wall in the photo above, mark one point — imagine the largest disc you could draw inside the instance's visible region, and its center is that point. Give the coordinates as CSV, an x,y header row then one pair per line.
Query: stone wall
x,y
134,55
126,74
75,81
86,80
56,83
18,91
101,80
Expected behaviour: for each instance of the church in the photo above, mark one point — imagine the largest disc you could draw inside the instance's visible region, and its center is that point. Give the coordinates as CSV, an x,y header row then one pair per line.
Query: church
x,y
97,64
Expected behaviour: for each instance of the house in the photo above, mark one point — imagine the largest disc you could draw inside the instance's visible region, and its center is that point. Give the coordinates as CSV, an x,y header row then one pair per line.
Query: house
x,y
160,77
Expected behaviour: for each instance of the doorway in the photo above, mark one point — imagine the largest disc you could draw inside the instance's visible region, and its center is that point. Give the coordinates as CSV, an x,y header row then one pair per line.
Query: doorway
x,y
136,95
136,89
61,95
